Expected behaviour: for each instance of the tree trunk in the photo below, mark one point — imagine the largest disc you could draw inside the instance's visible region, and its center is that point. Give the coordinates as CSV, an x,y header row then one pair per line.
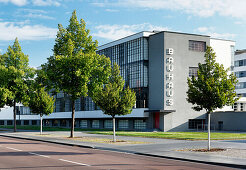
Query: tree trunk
x,y
14,110
209,131
114,137
73,119
41,124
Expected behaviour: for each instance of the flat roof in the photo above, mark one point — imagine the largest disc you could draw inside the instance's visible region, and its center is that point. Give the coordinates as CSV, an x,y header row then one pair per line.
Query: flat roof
x,y
138,35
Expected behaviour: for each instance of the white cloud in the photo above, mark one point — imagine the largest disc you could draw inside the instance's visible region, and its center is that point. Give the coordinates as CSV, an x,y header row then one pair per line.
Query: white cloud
x,y
46,3
34,2
11,30
113,32
15,2
111,10
34,13
202,8
211,32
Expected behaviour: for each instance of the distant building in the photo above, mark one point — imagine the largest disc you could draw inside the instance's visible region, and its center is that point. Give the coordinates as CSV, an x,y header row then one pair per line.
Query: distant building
x,y
156,66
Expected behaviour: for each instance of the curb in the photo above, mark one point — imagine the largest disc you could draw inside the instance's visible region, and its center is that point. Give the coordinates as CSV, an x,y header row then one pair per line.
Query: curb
x,y
132,152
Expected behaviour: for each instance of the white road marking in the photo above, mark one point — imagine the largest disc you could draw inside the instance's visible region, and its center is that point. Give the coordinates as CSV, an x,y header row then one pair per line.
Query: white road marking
x,y
38,154
74,162
14,149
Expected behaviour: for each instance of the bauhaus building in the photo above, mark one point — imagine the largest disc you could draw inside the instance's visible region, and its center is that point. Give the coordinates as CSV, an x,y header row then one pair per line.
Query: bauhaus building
x,y
156,66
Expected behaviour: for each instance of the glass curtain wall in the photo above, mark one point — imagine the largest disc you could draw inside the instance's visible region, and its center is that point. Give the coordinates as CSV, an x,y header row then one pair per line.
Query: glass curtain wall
x,y
132,57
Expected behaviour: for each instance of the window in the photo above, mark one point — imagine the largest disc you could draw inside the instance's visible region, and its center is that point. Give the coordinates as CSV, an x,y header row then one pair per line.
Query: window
x,y
235,106
196,123
123,124
240,74
34,122
26,122
47,122
197,46
132,57
241,85
95,123
18,122
83,124
193,71
63,123
9,122
1,122
139,124
108,124
55,123
241,106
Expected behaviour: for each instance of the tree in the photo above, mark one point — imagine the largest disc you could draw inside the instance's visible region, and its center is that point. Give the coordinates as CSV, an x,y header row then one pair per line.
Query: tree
x,y
75,68
213,87
15,72
113,99
40,101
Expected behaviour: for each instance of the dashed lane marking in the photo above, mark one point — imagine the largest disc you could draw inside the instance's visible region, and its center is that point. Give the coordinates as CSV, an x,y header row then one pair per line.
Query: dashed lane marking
x,y
13,149
38,154
74,162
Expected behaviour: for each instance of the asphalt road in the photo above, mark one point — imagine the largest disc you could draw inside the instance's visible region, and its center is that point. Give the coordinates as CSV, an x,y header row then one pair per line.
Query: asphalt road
x,y
27,154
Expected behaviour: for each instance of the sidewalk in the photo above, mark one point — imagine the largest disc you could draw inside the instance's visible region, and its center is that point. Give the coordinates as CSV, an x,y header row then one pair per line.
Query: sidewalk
x,y
166,148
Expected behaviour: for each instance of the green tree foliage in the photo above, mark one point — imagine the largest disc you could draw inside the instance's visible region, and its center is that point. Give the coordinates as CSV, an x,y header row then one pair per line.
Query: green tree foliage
x,y
40,101
75,68
15,74
213,88
113,99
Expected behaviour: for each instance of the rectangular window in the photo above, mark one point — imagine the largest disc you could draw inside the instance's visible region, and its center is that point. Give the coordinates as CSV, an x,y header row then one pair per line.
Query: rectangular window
x,y
197,124
139,124
26,122
18,122
123,124
108,124
34,122
9,122
241,106
1,122
95,124
235,106
199,46
63,123
193,71
83,124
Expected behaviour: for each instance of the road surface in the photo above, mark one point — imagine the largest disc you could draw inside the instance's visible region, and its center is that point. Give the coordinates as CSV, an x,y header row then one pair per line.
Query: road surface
x,y
27,154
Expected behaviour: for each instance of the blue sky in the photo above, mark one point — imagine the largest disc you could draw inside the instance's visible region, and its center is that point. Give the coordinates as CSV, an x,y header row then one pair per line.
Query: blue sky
x,y
35,22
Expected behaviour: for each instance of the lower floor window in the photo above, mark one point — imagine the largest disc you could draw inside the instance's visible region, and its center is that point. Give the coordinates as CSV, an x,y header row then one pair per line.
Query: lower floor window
x,y
34,122
139,124
197,123
26,122
123,124
108,124
47,123
63,123
95,123
9,122
83,124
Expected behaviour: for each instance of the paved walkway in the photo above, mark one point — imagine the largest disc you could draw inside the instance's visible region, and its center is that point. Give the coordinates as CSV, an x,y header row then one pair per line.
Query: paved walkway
x,y
166,148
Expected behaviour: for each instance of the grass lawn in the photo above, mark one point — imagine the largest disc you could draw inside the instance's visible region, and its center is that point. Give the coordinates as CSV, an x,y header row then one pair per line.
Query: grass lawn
x,y
177,135
28,127
163,135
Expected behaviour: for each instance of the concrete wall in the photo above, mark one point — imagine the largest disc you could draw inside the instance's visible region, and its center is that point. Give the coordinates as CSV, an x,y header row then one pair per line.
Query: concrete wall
x,y
156,71
232,121
183,59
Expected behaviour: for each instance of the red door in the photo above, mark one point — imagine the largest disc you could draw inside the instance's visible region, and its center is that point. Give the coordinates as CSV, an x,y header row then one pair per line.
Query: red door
x,y
157,120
